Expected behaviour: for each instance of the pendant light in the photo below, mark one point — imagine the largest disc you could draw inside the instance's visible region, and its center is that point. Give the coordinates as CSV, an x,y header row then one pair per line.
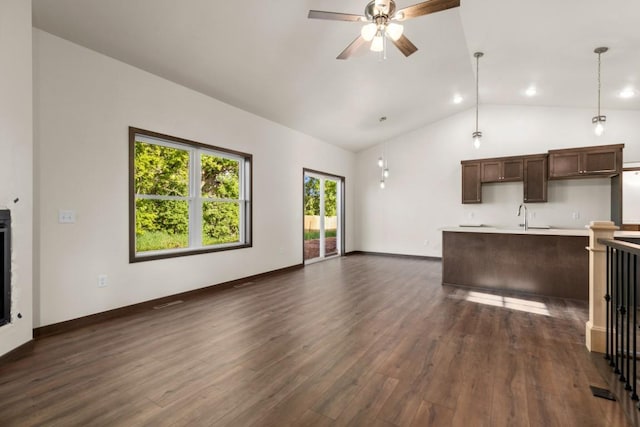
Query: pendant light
x,y
599,120
477,134
382,163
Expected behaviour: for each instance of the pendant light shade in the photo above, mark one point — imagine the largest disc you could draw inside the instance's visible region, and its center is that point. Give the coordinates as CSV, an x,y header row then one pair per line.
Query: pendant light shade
x,y
394,30
383,163
599,120
369,31
477,135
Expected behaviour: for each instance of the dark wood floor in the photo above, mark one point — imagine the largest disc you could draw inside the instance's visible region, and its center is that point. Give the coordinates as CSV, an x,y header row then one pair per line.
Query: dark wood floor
x,y
361,340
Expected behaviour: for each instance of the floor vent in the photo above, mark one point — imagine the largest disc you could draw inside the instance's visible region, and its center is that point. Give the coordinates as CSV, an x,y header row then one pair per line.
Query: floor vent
x,y
169,304
602,393
242,285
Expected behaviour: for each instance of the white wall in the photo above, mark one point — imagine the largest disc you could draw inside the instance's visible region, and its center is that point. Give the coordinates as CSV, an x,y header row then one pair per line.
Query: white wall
x,y
16,167
631,191
424,189
84,103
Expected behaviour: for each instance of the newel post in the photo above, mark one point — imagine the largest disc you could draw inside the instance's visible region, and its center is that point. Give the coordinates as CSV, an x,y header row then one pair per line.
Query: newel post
x,y
595,327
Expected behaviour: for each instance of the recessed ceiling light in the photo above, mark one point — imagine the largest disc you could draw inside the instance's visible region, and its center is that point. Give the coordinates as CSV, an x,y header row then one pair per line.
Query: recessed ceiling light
x,y
627,93
531,91
457,99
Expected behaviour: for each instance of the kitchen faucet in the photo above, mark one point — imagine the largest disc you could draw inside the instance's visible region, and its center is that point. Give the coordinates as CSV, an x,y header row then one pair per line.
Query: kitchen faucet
x,y
526,221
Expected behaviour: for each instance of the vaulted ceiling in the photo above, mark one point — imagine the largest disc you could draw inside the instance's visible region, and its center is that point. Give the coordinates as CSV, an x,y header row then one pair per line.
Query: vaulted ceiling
x,y
268,58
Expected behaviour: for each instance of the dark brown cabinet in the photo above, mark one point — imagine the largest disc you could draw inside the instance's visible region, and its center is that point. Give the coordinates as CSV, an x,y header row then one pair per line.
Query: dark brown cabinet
x,y
536,169
586,162
535,178
505,169
471,190
502,170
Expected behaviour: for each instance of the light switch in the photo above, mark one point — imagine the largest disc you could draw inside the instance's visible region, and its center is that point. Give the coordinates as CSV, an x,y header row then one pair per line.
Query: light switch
x,y
66,216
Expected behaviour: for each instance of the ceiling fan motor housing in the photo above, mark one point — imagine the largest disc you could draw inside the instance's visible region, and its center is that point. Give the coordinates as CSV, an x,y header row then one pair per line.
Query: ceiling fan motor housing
x,y
377,8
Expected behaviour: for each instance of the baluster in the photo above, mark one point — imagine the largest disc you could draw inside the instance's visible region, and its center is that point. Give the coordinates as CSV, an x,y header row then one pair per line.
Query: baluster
x,y
621,311
627,284
616,309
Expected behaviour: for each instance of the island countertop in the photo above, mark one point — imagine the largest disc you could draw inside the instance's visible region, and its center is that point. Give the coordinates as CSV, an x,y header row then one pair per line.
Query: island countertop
x,y
535,231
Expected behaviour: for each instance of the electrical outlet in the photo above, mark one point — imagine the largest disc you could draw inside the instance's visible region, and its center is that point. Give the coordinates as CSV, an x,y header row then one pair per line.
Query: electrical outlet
x,y
66,216
426,242
102,281
470,215
575,215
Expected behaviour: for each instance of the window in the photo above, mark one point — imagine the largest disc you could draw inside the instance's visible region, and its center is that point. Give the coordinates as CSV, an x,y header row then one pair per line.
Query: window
x,y
186,197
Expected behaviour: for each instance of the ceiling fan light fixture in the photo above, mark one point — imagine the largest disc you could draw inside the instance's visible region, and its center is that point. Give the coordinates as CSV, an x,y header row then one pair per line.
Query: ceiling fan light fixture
x,y
369,31
394,30
382,13
377,44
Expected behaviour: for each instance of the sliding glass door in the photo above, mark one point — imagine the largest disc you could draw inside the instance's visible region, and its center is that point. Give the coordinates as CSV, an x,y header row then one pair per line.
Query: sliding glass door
x,y
323,215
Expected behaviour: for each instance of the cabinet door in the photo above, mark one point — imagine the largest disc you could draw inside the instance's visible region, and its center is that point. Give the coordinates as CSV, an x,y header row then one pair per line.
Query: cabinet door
x,y
512,170
564,164
601,162
502,170
471,190
586,161
535,179
491,171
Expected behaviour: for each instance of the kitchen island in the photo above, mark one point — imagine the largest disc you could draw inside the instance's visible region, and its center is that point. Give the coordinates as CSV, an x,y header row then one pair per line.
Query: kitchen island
x,y
549,262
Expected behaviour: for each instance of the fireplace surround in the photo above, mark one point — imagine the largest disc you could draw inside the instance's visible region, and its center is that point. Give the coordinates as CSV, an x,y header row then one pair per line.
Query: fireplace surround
x,y
5,266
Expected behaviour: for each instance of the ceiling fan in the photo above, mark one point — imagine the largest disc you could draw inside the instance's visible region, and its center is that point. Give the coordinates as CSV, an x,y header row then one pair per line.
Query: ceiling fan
x,y
380,15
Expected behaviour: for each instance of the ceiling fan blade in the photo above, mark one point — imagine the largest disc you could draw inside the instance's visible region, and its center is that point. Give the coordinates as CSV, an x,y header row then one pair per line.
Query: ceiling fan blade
x,y
405,45
351,49
426,8
335,16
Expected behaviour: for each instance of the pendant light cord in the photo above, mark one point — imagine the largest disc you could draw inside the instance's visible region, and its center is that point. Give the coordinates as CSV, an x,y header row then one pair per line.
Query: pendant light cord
x,y
599,63
477,55
477,90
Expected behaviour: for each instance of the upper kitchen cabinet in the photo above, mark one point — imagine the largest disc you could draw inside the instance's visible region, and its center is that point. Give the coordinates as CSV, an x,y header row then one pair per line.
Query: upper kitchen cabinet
x,y
535,178
502,170
505,169
471,190
585,162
